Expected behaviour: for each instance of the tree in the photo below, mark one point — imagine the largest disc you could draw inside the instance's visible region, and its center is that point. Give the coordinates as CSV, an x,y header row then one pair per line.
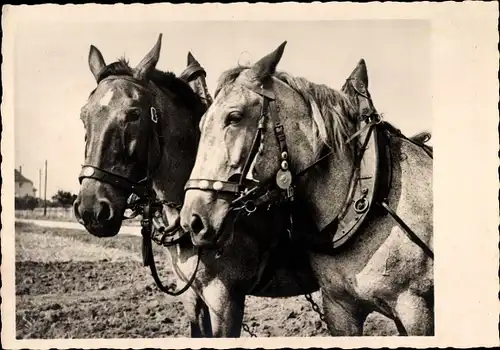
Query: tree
x,y
25,203
64,198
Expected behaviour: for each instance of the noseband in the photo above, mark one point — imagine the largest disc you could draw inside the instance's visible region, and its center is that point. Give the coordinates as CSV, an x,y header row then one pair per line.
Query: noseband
x,y
147,204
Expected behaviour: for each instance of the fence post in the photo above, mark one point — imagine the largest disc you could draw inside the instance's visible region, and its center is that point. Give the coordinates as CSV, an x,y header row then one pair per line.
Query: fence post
x,y
45,192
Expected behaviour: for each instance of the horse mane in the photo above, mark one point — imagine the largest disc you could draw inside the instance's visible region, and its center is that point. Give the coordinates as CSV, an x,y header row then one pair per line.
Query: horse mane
x,y
164,80
331,110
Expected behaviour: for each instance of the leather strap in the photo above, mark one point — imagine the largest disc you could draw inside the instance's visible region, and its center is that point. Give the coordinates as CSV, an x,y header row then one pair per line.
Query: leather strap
x,y
256,141
261,90
278,127
409,232
212,185
92,172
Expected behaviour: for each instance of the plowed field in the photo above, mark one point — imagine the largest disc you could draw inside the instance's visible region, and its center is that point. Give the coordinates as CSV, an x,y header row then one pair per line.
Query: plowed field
x,y
72,285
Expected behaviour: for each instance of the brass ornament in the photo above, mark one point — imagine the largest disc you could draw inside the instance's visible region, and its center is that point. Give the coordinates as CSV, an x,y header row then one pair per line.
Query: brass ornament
x,y
284,179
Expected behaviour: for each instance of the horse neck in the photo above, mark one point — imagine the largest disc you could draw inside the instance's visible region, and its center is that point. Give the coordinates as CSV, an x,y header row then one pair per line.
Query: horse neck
x,y
411,183
179,151
324,188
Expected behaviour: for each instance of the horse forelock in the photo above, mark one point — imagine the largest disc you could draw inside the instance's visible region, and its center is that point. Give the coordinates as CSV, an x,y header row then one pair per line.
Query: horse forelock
x,y
228,77
331,111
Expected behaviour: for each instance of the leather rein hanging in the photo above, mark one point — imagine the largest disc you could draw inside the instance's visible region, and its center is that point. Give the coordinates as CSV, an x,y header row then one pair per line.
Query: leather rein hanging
x,y
280,190
148,205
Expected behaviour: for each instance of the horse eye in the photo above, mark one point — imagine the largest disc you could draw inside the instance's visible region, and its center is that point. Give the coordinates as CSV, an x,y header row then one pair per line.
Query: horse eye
x,y
132,115
234,117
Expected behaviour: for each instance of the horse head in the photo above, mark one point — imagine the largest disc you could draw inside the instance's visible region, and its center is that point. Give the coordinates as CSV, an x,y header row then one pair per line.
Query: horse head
x,y
129,141
262,126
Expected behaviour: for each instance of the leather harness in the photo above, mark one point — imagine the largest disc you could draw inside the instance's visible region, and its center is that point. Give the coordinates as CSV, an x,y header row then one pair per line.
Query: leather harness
x,y
250,195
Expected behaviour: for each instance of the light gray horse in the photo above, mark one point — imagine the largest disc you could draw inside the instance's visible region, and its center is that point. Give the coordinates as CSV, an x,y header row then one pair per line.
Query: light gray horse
x,y
270,127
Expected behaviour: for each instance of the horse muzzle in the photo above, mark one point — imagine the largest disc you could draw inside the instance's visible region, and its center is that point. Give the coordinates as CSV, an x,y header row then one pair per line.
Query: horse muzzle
x,y
203,215
97,215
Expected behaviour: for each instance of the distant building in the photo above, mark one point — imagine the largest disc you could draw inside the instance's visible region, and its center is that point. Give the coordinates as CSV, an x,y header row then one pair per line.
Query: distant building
x,y
23,185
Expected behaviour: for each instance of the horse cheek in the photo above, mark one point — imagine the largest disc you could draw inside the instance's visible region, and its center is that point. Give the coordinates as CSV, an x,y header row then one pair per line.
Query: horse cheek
x,y
235,144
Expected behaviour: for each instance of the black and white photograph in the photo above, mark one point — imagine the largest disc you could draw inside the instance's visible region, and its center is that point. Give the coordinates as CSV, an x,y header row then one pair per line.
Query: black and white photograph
x,y
262,173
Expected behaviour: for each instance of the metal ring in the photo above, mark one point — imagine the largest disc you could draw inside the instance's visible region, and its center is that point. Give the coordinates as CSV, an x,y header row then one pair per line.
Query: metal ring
x,y
361,205
250,207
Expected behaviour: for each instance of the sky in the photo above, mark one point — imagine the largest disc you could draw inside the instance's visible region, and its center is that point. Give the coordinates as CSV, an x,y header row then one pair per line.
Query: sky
x,y
53,80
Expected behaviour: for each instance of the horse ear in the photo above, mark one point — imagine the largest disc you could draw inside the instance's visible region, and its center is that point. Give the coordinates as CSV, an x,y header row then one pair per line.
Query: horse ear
x,y
266,66
96,61
191,60
149,61
360,73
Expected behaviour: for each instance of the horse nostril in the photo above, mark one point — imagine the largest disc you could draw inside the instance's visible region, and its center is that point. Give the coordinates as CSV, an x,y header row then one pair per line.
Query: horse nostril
x,y
87,217
196,224
105,211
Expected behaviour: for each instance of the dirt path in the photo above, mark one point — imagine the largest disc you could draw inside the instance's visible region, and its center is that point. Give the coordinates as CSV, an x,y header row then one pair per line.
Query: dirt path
x,y
70,284
128,230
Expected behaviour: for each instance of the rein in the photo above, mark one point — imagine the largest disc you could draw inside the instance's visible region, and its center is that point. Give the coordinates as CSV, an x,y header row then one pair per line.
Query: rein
x,y
147,204
280,190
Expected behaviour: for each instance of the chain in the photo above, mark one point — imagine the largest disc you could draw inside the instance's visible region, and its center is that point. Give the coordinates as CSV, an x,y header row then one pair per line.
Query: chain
x,y
309,298
247,329
315,307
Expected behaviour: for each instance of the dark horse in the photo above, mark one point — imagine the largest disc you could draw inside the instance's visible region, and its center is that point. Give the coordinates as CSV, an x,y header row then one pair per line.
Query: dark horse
x,y
356,189
141,123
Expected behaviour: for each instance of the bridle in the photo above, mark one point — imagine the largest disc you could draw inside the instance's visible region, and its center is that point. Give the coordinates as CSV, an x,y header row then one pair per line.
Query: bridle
x,y
280,190
247,194
147,204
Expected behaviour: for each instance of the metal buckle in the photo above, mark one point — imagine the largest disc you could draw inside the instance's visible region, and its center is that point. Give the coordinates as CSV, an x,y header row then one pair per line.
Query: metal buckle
x,y
154,116
376,118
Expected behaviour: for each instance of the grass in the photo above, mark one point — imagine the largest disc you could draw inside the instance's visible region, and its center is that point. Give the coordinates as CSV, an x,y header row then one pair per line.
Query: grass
x,y
131,244
44,247
60,215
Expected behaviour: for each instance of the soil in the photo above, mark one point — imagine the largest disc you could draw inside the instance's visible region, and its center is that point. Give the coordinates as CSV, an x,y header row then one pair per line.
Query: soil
x,y
70,284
